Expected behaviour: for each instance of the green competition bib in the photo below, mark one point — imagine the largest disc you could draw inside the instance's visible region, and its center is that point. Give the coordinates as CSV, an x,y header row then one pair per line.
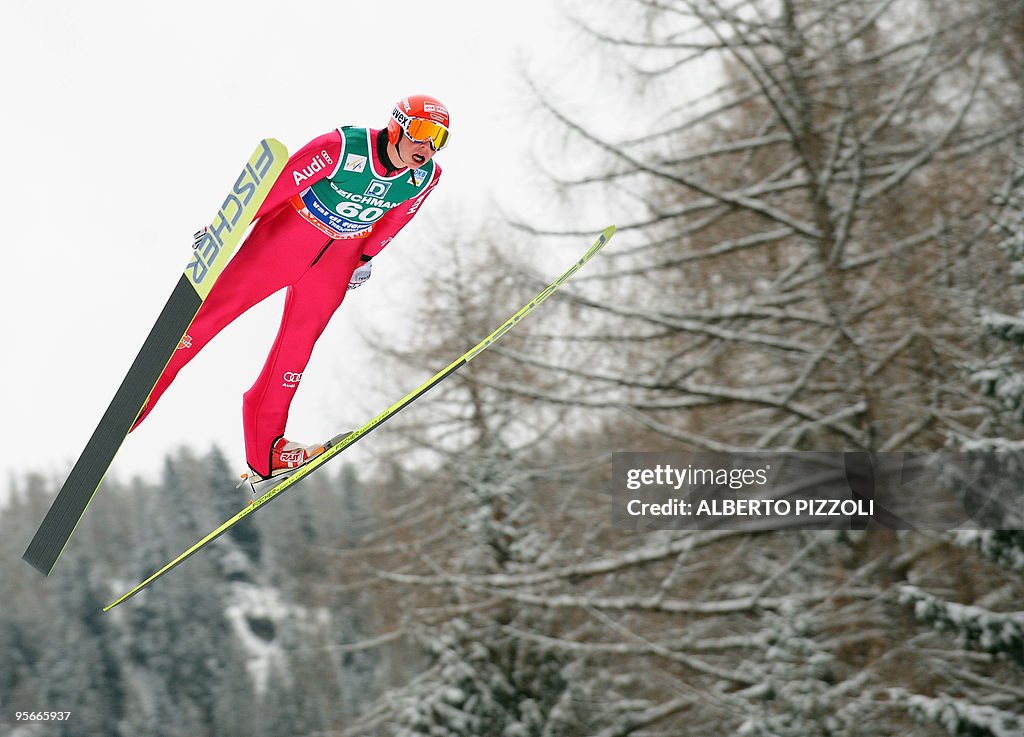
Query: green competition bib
x,y
354,197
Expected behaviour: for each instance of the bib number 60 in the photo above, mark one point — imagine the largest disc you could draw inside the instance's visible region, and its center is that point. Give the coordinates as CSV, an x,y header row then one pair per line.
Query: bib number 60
x,y
355,211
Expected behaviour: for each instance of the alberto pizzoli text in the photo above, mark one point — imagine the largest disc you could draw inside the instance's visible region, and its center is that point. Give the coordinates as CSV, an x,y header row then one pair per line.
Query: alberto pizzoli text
x,y
753,508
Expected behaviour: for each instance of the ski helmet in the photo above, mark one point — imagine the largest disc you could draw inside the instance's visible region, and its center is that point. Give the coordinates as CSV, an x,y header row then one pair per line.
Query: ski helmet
x,y
421,117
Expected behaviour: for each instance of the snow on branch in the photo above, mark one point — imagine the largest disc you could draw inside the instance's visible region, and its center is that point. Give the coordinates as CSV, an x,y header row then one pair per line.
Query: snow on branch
x,y
960,718
974,626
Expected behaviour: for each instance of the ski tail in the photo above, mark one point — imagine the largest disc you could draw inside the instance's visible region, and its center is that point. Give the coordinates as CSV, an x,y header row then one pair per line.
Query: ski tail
x,y
75,495
340,442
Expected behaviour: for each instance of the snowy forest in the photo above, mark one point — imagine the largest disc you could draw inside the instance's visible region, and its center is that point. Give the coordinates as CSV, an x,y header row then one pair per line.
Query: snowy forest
x,y
821,249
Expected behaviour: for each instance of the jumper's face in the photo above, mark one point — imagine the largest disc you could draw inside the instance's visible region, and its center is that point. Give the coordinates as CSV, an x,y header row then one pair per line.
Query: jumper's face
x,y
414,153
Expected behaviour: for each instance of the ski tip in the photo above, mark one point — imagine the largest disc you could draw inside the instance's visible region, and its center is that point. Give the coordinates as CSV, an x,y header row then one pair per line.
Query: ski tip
x,y
124,598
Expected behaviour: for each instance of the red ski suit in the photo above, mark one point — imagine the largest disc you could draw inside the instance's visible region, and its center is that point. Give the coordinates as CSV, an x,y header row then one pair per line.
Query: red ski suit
x,y
285,250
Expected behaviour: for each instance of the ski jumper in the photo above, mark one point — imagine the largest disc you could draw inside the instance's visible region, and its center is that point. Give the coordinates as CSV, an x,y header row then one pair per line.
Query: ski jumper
x,y
335,205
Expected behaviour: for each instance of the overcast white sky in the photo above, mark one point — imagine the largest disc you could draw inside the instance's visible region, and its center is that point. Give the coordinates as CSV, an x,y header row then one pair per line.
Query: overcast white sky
x,y
124,124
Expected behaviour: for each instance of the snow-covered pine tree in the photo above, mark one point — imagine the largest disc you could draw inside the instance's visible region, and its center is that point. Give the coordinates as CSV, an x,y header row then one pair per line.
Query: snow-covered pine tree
x,y
482,678
993,624
798,691
482,682
1003,376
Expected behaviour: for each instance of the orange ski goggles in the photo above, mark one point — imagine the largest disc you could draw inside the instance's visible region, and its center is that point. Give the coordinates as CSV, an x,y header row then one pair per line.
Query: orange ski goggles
x,y
421,130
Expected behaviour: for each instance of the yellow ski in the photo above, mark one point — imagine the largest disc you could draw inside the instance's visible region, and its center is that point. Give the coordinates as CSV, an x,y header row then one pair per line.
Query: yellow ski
x,y
336,445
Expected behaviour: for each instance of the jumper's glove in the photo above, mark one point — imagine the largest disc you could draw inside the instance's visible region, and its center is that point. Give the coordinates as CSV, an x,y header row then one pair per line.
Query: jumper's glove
x,y
198,237
360,275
